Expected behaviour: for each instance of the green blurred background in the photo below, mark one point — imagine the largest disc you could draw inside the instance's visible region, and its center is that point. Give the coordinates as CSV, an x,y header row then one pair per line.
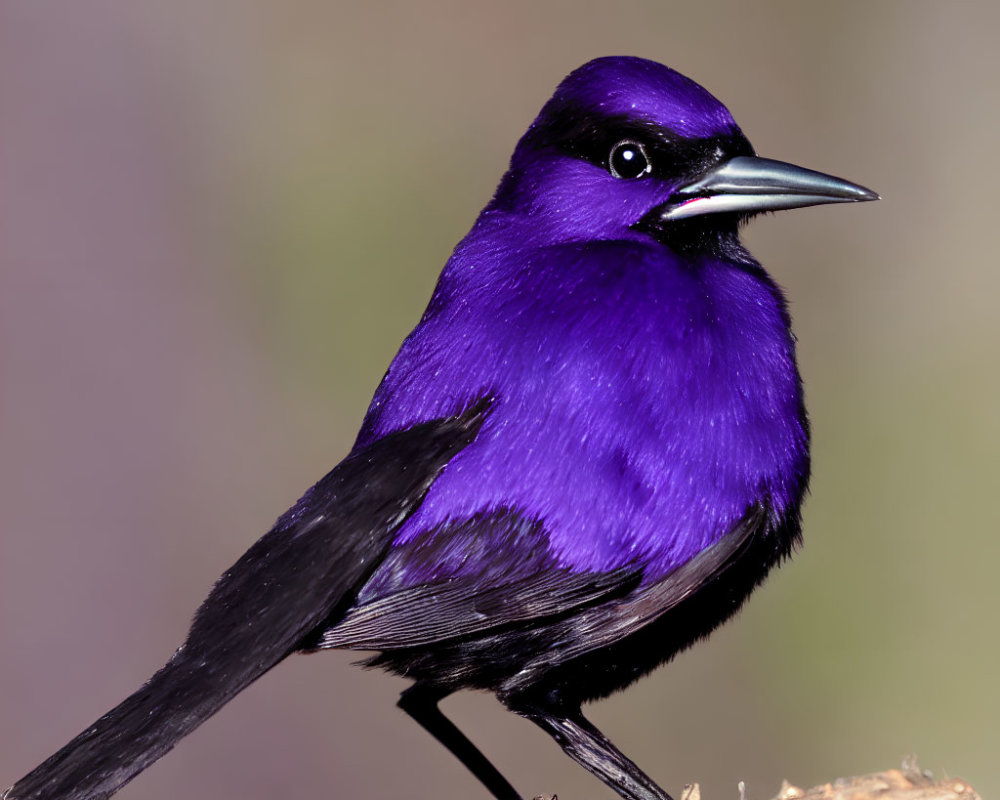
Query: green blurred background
x,y
218,220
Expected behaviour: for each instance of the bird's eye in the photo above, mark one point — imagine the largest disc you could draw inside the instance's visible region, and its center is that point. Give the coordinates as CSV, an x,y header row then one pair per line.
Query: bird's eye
x,y
628,160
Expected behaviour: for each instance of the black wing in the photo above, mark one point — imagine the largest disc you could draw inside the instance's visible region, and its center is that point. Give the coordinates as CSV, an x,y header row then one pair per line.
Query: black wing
x,y
326,546
495,571
489,571
503,622
311,563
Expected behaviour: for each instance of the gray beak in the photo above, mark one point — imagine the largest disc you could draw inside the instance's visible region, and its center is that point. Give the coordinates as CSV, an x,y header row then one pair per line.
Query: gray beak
x,y
747,185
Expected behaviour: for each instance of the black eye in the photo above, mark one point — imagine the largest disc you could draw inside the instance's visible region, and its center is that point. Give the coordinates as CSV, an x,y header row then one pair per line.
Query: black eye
x,y
628,160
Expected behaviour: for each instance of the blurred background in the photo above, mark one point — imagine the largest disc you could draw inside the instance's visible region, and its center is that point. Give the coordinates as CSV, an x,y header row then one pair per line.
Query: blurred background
x,y
217,222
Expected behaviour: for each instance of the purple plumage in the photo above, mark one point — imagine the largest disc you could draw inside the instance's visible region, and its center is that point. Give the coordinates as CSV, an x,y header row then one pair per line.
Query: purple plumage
x,y
642,401
644,398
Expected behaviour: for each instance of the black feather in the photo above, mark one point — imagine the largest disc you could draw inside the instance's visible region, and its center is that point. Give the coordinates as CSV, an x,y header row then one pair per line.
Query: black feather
x,y
294,577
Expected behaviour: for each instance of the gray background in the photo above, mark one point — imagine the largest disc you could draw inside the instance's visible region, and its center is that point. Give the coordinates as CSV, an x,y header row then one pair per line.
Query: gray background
x,y
217,221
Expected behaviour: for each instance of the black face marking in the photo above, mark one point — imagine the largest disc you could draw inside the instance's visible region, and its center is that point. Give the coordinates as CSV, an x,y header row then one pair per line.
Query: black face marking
x,y
583,133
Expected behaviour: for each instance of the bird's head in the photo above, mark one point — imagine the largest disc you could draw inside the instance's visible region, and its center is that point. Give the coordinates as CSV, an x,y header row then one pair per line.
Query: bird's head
x,y
629,147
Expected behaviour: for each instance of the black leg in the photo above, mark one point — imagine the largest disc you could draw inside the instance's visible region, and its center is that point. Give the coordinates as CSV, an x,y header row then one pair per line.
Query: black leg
x,y
421,703
591,749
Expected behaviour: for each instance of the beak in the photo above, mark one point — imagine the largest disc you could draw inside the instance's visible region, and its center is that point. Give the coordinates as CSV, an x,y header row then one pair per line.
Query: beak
x,y
747,185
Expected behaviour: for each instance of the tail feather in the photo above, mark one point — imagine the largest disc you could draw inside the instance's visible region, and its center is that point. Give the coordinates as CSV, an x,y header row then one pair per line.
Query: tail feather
x,y
302,573
130,737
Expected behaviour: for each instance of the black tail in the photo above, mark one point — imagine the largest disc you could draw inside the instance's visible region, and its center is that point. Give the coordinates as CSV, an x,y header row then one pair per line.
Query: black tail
x,y
301,574
131,736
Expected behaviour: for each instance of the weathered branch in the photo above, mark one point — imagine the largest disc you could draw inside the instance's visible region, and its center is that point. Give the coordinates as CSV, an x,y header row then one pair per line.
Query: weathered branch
x,y
907,783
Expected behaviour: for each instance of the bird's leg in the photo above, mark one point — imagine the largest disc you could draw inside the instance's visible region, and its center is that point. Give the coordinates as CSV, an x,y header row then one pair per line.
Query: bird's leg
x,y
591,749
421,703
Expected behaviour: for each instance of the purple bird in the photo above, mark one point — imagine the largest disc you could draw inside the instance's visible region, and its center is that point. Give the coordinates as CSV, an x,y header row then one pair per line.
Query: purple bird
x,y
584,458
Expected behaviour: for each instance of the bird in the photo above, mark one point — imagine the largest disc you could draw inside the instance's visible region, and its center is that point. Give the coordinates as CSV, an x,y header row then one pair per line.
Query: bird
x,y
586,455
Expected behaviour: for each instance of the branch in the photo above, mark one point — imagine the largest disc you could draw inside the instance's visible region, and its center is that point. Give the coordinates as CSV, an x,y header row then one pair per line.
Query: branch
x,y
907,783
